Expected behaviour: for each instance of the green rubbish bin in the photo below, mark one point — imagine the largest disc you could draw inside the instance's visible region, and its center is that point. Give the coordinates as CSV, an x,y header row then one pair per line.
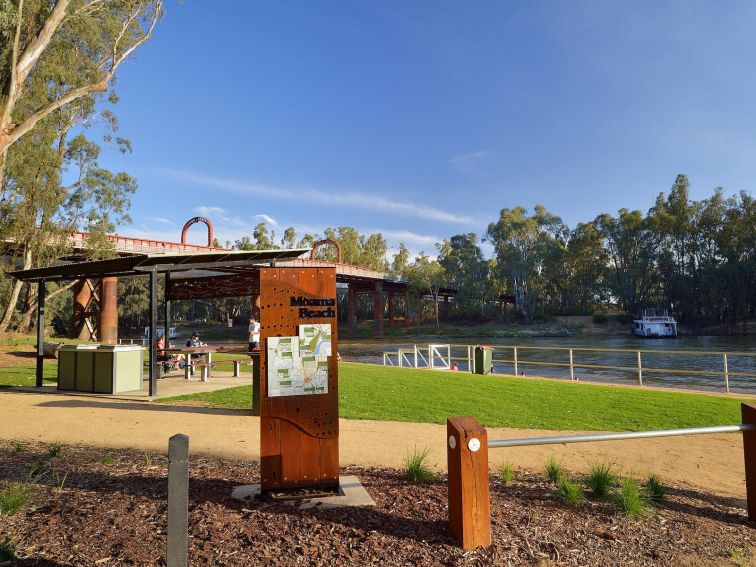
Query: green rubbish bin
x,y
482,360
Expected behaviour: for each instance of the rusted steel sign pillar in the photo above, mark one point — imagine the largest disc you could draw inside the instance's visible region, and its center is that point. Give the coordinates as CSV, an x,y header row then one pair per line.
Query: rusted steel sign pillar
x,y
299,419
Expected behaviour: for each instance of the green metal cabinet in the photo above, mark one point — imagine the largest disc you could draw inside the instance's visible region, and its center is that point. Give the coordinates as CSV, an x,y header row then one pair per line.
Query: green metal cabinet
x,y
101,369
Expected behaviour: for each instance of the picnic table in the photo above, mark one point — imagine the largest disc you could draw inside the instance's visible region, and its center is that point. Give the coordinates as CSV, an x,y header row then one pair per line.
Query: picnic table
x,y
203,350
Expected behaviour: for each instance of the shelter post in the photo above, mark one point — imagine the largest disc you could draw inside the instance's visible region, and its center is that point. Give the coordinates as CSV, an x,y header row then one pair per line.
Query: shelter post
x,y
378,309
40,331
153,331
167,309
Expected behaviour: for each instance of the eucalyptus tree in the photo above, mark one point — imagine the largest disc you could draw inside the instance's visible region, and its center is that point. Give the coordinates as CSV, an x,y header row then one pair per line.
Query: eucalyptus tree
x,y
463,262
426,277
524,245
54,54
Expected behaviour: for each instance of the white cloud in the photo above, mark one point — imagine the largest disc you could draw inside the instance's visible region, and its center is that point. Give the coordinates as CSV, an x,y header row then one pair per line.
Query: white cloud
x,y
206,211
348,199
467,161
162,220
267,219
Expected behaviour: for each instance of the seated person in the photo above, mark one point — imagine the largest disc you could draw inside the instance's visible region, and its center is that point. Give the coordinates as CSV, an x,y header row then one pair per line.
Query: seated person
x,y
162,356
194,340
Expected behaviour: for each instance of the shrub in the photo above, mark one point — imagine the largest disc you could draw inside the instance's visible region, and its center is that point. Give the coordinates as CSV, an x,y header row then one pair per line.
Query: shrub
x,y
600,318
8,550
54,449
554,470
600,479
655,488
13,498
569,491
415,467
628,500
508,473
107,459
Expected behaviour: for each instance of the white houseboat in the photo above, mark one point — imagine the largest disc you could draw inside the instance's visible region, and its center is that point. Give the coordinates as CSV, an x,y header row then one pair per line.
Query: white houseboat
x,y
654,325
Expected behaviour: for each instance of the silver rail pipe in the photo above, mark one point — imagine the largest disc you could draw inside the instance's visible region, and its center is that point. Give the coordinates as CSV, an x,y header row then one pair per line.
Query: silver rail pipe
x,y
496,443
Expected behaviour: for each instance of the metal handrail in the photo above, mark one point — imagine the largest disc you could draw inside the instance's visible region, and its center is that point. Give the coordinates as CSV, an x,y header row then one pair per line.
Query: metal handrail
x,y
599,349
591,437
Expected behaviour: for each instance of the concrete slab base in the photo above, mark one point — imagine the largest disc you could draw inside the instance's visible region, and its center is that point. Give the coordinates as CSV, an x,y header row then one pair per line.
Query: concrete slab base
x,y
351,493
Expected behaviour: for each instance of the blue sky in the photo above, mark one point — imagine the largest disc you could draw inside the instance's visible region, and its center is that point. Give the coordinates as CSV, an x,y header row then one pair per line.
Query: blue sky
x,y
421,119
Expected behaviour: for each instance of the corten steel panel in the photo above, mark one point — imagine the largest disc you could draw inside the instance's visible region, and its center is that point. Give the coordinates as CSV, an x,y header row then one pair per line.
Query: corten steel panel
x,y
298,434
748,412
237,285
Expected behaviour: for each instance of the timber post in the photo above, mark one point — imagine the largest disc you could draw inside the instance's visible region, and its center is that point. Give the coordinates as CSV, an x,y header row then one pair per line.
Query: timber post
x,y
469,499
178,501
748,412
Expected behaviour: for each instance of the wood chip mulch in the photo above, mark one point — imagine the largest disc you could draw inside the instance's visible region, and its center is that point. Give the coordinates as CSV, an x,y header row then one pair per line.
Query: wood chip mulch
x,y
111,510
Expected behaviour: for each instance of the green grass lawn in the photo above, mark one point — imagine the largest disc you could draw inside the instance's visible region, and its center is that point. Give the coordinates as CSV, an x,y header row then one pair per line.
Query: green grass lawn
x,y
26,375
401,394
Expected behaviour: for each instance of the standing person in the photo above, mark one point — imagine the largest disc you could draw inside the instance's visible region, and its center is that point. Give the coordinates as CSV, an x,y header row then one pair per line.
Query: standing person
x,y
254,335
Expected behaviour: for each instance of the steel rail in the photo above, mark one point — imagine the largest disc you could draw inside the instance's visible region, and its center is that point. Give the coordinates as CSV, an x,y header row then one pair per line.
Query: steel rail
x,y
592,437
628,350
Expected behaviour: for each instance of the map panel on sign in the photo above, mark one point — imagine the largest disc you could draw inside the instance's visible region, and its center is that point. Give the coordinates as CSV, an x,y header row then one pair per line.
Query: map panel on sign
x,y
298,365
315,339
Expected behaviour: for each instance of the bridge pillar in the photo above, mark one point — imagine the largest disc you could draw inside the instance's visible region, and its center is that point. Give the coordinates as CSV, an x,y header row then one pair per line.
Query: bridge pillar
x,y
108,321
390,313
378,309
82,299
407,321
352,311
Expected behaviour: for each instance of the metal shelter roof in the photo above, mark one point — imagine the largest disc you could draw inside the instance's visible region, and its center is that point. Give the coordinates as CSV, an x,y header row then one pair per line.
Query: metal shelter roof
x,y
231,261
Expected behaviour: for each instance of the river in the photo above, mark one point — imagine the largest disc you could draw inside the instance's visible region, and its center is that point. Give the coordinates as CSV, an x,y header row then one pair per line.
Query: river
x,y
693,359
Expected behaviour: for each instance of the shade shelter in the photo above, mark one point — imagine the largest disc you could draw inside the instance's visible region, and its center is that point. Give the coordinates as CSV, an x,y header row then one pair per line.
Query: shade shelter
x,y
190,275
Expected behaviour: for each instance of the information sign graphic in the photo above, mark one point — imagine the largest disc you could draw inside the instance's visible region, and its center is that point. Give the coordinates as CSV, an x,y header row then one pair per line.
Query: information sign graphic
x,y
298,366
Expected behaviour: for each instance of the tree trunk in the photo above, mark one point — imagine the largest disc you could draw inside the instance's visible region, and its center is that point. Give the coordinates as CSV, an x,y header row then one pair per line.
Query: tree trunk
x,y
10,308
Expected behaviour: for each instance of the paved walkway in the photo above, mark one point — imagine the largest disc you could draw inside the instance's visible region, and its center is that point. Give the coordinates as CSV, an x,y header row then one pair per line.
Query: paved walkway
x,y
712,462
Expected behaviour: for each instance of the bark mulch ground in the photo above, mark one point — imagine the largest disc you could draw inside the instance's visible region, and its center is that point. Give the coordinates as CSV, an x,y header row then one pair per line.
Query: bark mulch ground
x,y
94,507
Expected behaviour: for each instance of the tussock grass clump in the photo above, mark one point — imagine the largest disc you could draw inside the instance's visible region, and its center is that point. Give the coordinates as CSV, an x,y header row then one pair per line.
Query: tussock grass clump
x,y
554,470
13,498
600,479
54,450
628,499
18,447
8,550
655,488
569,491
508,473
37,471
416,468
107,459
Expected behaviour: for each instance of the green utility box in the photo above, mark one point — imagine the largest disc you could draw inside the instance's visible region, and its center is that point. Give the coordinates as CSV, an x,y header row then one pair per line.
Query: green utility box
x,y
100,369
482,359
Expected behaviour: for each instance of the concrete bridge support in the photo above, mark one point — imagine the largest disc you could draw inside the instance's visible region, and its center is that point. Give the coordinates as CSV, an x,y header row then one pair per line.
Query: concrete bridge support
x,y
108,320
378,310
352,311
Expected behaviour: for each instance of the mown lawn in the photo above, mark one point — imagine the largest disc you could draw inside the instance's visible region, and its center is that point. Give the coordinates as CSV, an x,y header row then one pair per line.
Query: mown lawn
x,y
401,394
26,375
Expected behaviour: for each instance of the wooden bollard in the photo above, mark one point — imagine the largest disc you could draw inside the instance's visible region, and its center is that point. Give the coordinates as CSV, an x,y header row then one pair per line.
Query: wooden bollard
x,y
469,504
748,412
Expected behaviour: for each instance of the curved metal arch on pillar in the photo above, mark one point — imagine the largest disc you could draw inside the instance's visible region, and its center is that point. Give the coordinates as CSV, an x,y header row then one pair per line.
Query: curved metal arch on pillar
x,y
195,220
319,243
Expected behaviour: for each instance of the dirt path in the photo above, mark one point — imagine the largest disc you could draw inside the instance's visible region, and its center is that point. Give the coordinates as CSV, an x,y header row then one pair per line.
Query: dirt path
x,y
711,462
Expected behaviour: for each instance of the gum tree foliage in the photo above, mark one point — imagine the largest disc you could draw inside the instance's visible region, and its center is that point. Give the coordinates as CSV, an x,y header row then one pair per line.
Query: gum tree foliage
x,y
527,250
57,53
57,61
466,270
